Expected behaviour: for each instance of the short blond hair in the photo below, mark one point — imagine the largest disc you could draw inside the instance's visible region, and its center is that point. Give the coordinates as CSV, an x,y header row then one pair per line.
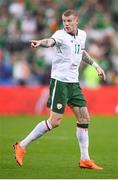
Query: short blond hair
x,y
70,12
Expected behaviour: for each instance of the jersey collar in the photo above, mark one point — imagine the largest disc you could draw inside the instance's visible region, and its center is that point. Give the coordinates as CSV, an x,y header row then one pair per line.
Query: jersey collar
x,y
74,35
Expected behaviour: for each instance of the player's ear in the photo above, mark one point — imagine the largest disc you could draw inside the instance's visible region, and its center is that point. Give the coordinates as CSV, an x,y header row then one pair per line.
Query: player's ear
x,y
77,20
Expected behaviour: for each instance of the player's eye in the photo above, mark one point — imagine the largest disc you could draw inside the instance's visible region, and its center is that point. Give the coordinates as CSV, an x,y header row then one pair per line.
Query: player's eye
x,y
69,20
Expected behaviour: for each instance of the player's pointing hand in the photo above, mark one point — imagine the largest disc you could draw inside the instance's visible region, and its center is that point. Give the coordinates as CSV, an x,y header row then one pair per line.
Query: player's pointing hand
x,y
35,43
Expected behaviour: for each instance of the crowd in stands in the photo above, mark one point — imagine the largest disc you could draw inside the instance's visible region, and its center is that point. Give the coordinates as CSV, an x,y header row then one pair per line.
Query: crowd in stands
x,y
24,20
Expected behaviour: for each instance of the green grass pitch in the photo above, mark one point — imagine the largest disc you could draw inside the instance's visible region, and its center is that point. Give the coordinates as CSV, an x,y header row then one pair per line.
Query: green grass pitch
x,y
56,154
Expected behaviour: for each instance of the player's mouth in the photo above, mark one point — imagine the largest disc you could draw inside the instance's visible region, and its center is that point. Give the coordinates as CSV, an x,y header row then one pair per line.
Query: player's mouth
x,y
68,28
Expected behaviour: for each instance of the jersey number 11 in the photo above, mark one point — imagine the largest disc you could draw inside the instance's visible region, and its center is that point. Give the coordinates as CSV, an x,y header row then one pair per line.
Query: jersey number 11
x,y
77,48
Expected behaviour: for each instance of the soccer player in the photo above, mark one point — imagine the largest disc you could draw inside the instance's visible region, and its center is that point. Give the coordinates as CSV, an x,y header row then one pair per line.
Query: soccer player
x,y
68,44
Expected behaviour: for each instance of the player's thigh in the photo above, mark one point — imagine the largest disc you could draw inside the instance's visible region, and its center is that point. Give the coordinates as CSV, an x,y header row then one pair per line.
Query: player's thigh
x,y
77,98
81,114
58,96
78,105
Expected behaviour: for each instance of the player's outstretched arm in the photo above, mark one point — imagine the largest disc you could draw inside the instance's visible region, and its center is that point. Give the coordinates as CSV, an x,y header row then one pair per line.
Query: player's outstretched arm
x,y
87,59
43,43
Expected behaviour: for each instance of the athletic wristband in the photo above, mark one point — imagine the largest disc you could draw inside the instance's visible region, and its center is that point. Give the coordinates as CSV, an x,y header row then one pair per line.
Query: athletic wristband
x,y
95,65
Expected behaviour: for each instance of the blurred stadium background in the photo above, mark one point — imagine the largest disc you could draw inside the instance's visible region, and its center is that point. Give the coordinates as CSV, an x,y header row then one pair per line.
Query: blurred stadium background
x,y
25,74
24,20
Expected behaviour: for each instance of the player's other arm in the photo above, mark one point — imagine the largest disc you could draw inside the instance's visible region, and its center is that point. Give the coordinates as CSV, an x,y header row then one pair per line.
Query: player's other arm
x,y
50,42
88,60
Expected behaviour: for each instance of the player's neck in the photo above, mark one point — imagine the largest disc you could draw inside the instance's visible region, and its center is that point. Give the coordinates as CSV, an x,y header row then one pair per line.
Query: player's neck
x,y
74,33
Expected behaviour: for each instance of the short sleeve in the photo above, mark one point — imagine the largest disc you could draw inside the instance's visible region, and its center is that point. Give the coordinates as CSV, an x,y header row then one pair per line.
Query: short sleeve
x,y
57,37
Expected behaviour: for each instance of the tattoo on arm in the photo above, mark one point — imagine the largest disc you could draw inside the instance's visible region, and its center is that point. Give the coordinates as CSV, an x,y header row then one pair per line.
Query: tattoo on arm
x,y
47,42
86,58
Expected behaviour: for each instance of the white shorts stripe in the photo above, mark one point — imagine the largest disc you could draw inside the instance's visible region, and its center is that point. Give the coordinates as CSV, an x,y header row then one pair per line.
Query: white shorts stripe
x,y
53,94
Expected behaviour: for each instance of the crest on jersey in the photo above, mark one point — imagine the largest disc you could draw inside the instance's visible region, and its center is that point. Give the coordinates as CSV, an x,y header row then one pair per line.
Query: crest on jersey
x,y
59,106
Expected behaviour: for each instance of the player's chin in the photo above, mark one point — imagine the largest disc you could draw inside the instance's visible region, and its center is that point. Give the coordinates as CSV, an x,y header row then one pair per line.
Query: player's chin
x,y
68,30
